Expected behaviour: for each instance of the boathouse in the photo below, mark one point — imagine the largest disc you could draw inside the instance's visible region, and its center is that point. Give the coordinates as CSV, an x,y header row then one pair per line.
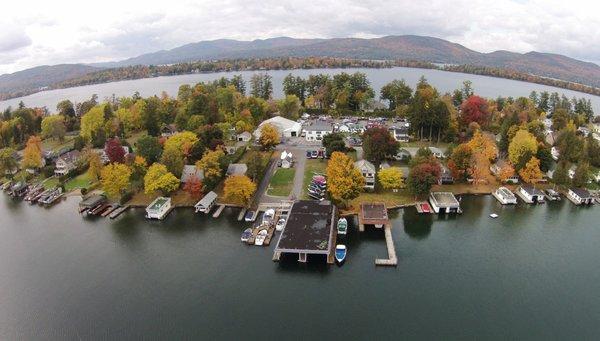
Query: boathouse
x,y
372,214
206,203
159,208
91,202
505,196
530,194
444,202
580,196
309,230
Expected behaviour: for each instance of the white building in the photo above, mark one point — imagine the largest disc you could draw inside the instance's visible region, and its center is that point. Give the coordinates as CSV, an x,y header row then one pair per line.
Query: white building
x,y
444,202
505,196
367,170
530,194
400,134
580,196
287,128
244,137
67,162
317,130
206,203
159,208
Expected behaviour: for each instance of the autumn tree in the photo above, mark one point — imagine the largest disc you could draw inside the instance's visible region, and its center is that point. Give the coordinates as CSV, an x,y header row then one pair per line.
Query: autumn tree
x,y
269,136
561,174
460,161
570,145
149,148
139,167
94,165
397,93
158,178
582,175
423,176
334,142
174,160
193,187
289,107
210,164
7,161
32,155
256,163
114,150
475,109
390,178
506,172
344,181
92,123
239,189
114,179
378,144
53,126
531,173
522,148
182,142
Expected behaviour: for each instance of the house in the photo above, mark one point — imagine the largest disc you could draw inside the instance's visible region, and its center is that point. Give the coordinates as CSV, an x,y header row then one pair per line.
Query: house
x,y
444,202
317,130
550,137
530,194
446,177
496,169
400,134
206,203
67,162
402,155
343,128
244,137
190,171
168,130
435,151
580,196
285,127
34,170
237,169
367,170
159,208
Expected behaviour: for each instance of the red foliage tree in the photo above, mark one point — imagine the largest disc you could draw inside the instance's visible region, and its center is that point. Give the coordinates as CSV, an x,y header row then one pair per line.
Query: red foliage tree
x,y
114,150
193,187
423,176
475,109
378,144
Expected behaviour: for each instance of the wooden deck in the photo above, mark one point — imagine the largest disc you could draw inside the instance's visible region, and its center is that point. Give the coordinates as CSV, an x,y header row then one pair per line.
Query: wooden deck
x,y
242,214
392,260
118,211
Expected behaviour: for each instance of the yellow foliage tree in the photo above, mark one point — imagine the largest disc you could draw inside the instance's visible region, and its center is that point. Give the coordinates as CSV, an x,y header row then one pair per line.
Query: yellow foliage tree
x,y
344,181
391,178
182,142
53,126
210,164
522,147
32,155
158,178
269,136
239,189
92,122
131,119
531,173
95,165
114,179
483,144
506,172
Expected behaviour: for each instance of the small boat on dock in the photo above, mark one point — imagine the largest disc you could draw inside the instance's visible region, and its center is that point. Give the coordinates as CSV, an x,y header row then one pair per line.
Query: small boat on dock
x,y
340,253
552,195
260,237
246,235
50,197
342,226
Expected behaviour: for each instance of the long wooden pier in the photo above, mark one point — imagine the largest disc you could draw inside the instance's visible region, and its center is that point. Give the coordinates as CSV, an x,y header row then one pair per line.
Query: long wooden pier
x,y
242,214
218,211
118,211
389,242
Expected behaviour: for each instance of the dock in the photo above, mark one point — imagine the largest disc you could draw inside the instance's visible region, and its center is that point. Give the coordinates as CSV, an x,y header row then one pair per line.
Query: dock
x,y
392,260
109,210
423,207
218,211
117,212
270,233
242,214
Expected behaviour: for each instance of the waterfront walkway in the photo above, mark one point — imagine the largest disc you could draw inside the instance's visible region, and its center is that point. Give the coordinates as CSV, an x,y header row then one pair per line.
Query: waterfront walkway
x,y
392,260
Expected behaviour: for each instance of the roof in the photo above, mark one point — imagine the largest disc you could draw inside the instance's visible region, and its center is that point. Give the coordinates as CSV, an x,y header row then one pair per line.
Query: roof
x,y
189,171
207,199
362,164
319,126
445,199
581,192
237,169
532,190
158,203
308,228
436,150
92,200
245,134
70,157
373,214
399,130
280,123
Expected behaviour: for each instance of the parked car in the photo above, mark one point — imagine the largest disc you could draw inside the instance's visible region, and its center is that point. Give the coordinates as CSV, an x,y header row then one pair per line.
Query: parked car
x,y
308,154
314,154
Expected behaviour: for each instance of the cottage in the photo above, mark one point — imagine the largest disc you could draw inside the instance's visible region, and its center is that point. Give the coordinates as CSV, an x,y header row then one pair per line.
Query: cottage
x,y
244,137
400,134
206,203
530,194
496,169
580,196
446,177
317,130
159,208
444,202
237,169
168,130
505,196
67,162
367,170
191,171
285,127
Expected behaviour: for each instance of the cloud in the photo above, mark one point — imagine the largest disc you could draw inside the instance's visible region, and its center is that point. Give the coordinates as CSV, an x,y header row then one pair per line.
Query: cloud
x,y
57,32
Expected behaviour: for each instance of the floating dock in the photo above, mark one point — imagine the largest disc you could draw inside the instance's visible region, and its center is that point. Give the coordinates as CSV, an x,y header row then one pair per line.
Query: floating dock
x,y
109,210
389,242
242,214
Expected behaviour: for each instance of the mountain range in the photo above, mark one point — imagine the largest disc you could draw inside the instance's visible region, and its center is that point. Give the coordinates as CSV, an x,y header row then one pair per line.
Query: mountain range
x,y
405,47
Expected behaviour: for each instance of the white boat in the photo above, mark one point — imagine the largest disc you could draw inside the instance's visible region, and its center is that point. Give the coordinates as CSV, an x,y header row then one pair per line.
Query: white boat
x,y
342,226
246,235
260,237
340,253
280,225
268,215
494,215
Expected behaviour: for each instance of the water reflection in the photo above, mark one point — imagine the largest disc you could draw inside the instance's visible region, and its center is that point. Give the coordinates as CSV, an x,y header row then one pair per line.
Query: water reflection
x,y
417,226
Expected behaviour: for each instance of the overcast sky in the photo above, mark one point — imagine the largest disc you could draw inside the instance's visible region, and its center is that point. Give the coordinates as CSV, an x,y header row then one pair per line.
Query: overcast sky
x,y
52,32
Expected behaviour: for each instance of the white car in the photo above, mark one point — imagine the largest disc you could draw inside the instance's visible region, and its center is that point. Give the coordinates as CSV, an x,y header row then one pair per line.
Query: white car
x,y
280,224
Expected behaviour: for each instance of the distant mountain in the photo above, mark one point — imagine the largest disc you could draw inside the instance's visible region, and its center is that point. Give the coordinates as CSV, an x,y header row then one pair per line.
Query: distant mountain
x,y
28,81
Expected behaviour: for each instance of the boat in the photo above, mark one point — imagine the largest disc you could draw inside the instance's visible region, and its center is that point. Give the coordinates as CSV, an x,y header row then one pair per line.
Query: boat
x,y
260,237
342,226
340,253
280,224
249,217
552,195
246,235
494,215
425,208
268,216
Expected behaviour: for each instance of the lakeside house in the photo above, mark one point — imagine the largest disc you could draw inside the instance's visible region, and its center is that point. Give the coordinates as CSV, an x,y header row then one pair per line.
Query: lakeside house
x,y
580,196
159,208
496,169
400,134
317,130
206,203
530,194
244,137
191,171
285,127
236,169
444,202
367,170
67,162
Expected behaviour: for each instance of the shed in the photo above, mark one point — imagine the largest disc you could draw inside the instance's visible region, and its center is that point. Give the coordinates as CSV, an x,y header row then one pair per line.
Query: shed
x,y
206,203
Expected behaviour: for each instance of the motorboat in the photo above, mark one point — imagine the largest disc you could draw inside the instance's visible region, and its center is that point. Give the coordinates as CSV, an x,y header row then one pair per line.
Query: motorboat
x,y
268,215
340,253
342,226
494,215
552,195
249,217
280,224
260,237
246,235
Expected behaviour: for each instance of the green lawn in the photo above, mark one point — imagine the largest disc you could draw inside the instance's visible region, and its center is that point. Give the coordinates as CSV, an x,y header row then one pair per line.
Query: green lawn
x,y
55,144
50,182
282,182
78,182
313,166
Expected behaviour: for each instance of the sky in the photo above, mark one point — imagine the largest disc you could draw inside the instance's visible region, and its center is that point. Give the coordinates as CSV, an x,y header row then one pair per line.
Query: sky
x,y
53,32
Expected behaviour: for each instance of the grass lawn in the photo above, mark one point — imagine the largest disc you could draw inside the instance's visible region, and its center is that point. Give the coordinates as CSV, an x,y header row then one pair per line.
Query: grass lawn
x,y
78,182
390,199
282,182
55,144
50,182
313,166
420,144
179,198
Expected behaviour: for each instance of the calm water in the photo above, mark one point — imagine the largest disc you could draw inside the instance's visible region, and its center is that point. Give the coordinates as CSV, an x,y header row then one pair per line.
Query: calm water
x,y
532,273
444,81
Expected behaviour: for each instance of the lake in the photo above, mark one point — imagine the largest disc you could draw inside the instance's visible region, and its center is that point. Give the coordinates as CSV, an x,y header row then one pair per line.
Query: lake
x,y
530,274
442,80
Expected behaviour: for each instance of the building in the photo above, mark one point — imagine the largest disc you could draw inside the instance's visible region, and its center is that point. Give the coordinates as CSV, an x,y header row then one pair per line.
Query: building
x,y
400,134
159,208
446,177
285,127
168,130
206,203
374,214
191,171
317,130
435,151
555,153
530,194
580,196
444,202
402,155
505,196
367,170
308,231
244,137
67,162
343,128
496,169
237,169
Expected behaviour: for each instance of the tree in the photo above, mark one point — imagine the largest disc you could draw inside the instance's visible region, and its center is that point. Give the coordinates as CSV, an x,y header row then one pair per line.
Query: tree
x,y
174,160
396,93
256,163
390,178
114,179
484,151
114,150
522,148
54,127
560,119
130,118
94,165
344,181
158,178
7,161
32,155
423,176
261,86
475,109
139,167
561,174
65,108
582,175
378,144
531,173
334,142
592,148
295,86
239,189
193,187
92,123
289,107
506,172
149,148
210,164
460,161
182,142
570,145
269,136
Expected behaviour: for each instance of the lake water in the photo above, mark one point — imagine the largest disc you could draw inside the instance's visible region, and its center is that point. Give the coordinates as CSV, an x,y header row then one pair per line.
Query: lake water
x,y
444,81
530,274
